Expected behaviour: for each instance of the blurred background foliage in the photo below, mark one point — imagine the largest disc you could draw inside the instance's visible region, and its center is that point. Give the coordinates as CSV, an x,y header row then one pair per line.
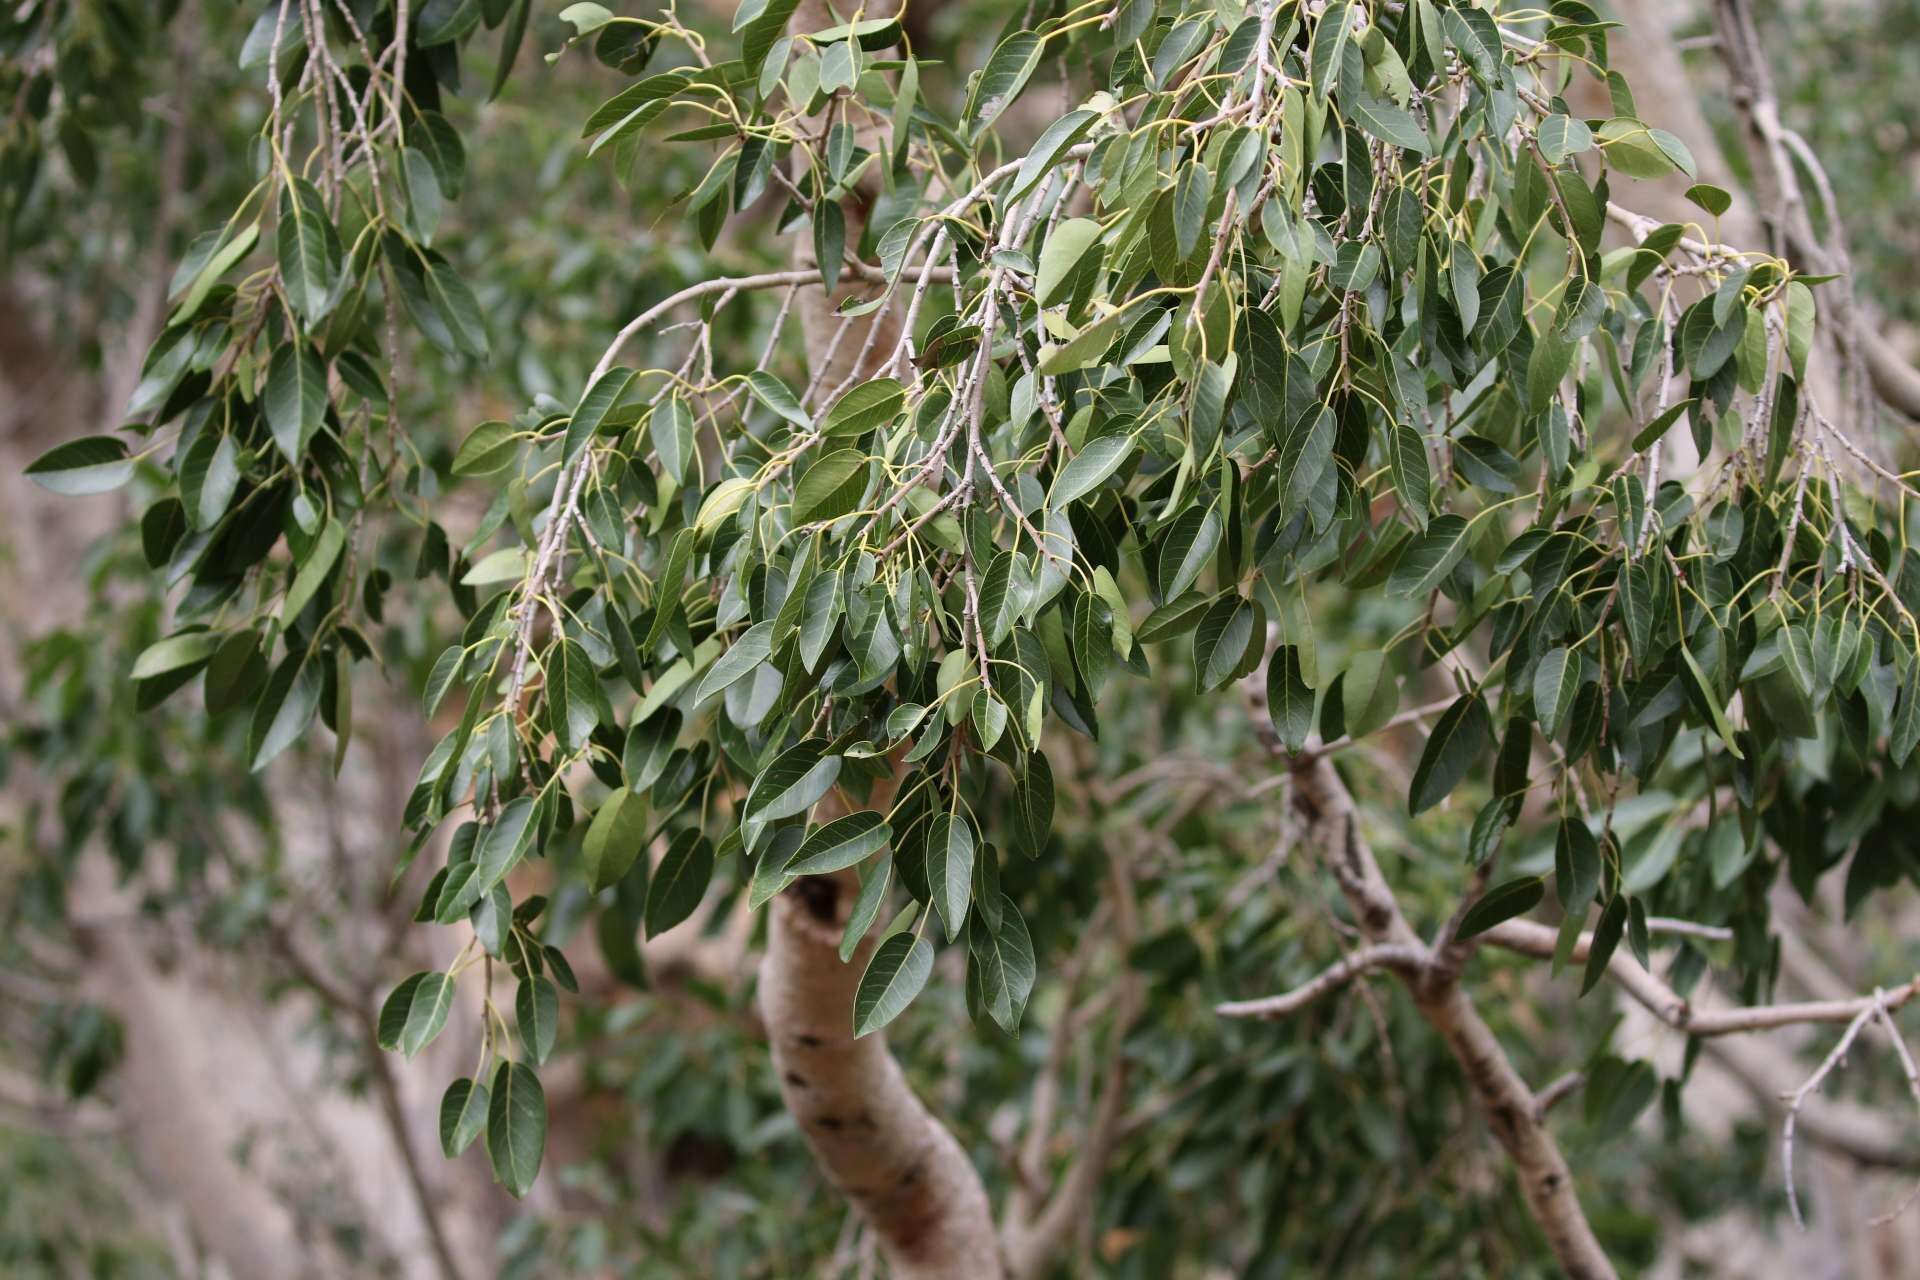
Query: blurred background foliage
x,y
1338,1143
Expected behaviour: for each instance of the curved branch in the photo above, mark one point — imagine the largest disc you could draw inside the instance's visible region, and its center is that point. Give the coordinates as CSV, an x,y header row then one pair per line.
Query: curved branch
x,y
1404,960
898,1165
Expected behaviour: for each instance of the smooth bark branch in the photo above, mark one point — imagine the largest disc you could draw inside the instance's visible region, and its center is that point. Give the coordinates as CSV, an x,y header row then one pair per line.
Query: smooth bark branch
x,y
1511,1109
1386,955
876,1142
1670,1007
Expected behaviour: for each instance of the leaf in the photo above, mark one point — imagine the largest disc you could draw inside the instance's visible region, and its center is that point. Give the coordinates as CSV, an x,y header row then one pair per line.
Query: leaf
x,y
679,882
741,657
1427,561
216,266
1561,136
1576,866
394,1012
1502,902
284,710
899,969
488,448
1412,480
1055,138
499,851
594,406
308,252
831,488
1460,737
779,397
321,558
516,1127
186,649
1651,433
1606,938
91,464
792,784
1097,460
1004,961
614,839
950,857
1289,700
1388,123
1370,693
295,398
463,1116
1555,680
841,843
457,308
869,405
509,564
1006,73
1065,246
1715,704
536,1008
426,1013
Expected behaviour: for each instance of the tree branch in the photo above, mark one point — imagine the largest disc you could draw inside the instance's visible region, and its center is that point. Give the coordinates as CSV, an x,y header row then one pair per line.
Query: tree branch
x,y
876,1142
1670,1007
1511,1108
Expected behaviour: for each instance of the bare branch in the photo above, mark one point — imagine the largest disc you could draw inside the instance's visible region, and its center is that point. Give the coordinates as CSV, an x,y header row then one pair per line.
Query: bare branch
x,y
1387,955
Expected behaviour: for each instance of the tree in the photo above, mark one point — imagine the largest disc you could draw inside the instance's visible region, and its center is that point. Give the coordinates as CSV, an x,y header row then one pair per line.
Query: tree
x,y
1289,376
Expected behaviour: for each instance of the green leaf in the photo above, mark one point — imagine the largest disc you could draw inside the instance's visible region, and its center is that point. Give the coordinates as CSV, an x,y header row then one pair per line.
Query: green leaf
x,y
1460,738
1088,469
284,710
1606,938
1427,561
1370,693
1561,136
209,275
1388,123
895,975
1412,479
779,397
740,658
309,253
516,1127
426,1013
536,1008
91,464
615,839
679,882
321,558
488,448
1576,866
1555,680
866,907
1055,138
1006,73
1289,700
792,784
295,398
395,1010
509,564
867,406
1063,250
463,1116
187,649
1003,964
831,487
499,852
950,855
594,406
1502,902
841,843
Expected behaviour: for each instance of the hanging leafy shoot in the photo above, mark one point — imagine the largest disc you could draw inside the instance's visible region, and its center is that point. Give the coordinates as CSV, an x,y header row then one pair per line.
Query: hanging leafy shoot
x,y
1297,299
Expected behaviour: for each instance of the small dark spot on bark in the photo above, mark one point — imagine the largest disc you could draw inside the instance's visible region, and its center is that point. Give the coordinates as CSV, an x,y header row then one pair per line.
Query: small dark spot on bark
x,y
795,1079
911,1176
832,1124
819,895
808,1042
